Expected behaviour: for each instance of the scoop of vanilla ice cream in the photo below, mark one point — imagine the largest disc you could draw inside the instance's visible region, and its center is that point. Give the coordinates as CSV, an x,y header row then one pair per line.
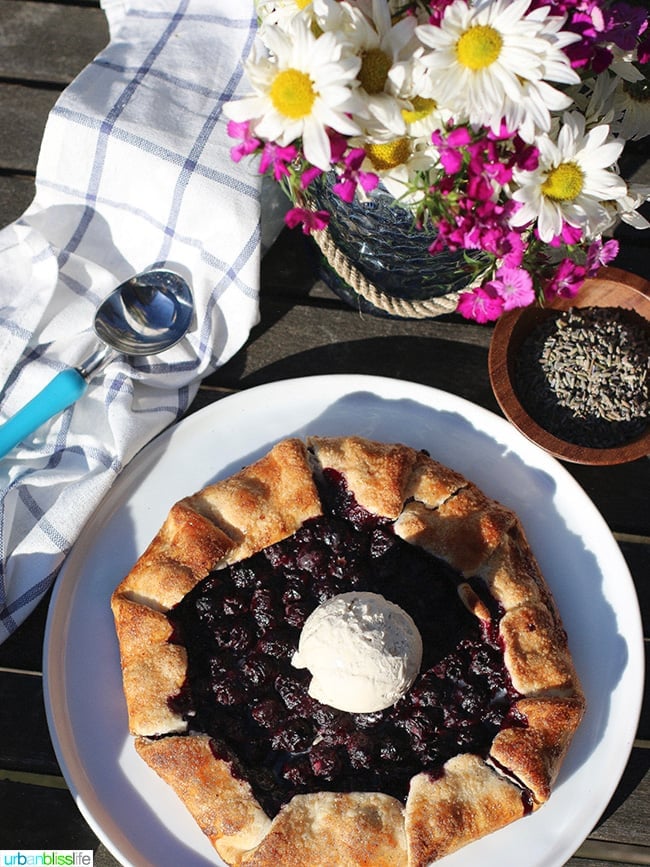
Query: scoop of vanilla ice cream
x,y
363,652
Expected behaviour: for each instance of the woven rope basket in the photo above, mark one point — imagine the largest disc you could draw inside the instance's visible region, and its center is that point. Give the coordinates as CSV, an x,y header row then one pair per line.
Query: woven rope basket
x,y
425,308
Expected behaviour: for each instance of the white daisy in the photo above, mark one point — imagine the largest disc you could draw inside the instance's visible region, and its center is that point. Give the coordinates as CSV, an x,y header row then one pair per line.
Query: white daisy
x,y
625,207
383,48
402,164
281,12
423,116
493,60
301,89
573,182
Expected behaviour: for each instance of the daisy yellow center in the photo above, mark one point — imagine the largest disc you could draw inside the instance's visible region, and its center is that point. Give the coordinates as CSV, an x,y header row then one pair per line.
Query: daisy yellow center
x,y
292,93
564,182
479,46
390,154
422,108
302,4
375,66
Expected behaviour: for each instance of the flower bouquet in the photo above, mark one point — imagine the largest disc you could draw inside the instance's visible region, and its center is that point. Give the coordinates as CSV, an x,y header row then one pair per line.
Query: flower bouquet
x,y
497,123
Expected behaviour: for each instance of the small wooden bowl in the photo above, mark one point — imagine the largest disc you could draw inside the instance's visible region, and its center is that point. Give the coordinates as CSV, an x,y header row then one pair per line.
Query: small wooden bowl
x,y
611,288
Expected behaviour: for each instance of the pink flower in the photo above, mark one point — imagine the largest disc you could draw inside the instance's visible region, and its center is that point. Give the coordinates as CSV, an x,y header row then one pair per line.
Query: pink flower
x,y
482,305
346,186
478,188
437,10
277,157
567,280
459,137
526,156
451,160
511,249
450,147
310,174
600,254
338,145
569,235
515,286
249,143
310,221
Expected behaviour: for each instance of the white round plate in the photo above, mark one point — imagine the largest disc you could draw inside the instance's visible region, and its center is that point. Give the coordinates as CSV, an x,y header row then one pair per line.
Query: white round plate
x,y
137,817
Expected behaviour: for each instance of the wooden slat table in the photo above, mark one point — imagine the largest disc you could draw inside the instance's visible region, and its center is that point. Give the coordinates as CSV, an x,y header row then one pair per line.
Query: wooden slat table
x,y
304,329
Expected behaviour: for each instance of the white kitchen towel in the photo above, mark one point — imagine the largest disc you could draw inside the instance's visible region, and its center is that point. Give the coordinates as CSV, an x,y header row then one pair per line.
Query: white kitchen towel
x,y
134,171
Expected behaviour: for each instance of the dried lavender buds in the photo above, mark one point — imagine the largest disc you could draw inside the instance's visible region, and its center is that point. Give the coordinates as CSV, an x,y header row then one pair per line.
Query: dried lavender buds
x,y
584,375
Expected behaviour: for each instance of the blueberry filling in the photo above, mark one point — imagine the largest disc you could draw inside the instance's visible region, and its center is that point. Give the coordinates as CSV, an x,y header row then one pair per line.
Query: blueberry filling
x,y
241,626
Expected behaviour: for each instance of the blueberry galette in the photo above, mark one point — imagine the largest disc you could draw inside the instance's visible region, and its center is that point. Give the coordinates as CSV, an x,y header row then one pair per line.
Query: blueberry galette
x,y
345,654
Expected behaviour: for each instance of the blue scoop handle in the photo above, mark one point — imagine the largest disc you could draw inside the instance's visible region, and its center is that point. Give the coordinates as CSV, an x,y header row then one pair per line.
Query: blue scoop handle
x,y
60,393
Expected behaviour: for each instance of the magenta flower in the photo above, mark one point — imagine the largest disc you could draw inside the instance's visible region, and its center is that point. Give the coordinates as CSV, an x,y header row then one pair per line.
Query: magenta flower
x,y
338,146
459,137
479,189
278,158
450,148
512,251
566,281
437,10
514,286
525,156
249,143
346,186
311,221
451,160
462,187
310,174
569,235
600,254
624,24
482,305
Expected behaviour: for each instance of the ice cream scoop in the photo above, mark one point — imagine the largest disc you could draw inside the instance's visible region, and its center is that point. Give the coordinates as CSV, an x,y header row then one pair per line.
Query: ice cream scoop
x,y
145,315
362,650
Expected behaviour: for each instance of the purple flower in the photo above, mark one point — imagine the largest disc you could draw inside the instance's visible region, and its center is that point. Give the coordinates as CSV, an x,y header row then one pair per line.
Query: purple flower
x,y
482,305
310,174
338,145
346,186
514,286
569,235
450,147
567,280
249,143
624,24
526,156
277,157
451,160
459,137
310,221
511,249
600,254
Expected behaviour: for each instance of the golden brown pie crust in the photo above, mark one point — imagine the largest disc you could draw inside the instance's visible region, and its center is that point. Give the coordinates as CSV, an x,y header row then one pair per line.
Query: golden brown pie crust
x,y
433,507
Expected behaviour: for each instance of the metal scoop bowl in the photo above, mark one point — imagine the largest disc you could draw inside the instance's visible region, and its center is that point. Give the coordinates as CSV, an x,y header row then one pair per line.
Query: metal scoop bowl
x,y
145,315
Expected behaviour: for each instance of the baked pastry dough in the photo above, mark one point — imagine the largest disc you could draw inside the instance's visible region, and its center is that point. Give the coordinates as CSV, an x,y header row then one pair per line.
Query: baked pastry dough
x,y
429,506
